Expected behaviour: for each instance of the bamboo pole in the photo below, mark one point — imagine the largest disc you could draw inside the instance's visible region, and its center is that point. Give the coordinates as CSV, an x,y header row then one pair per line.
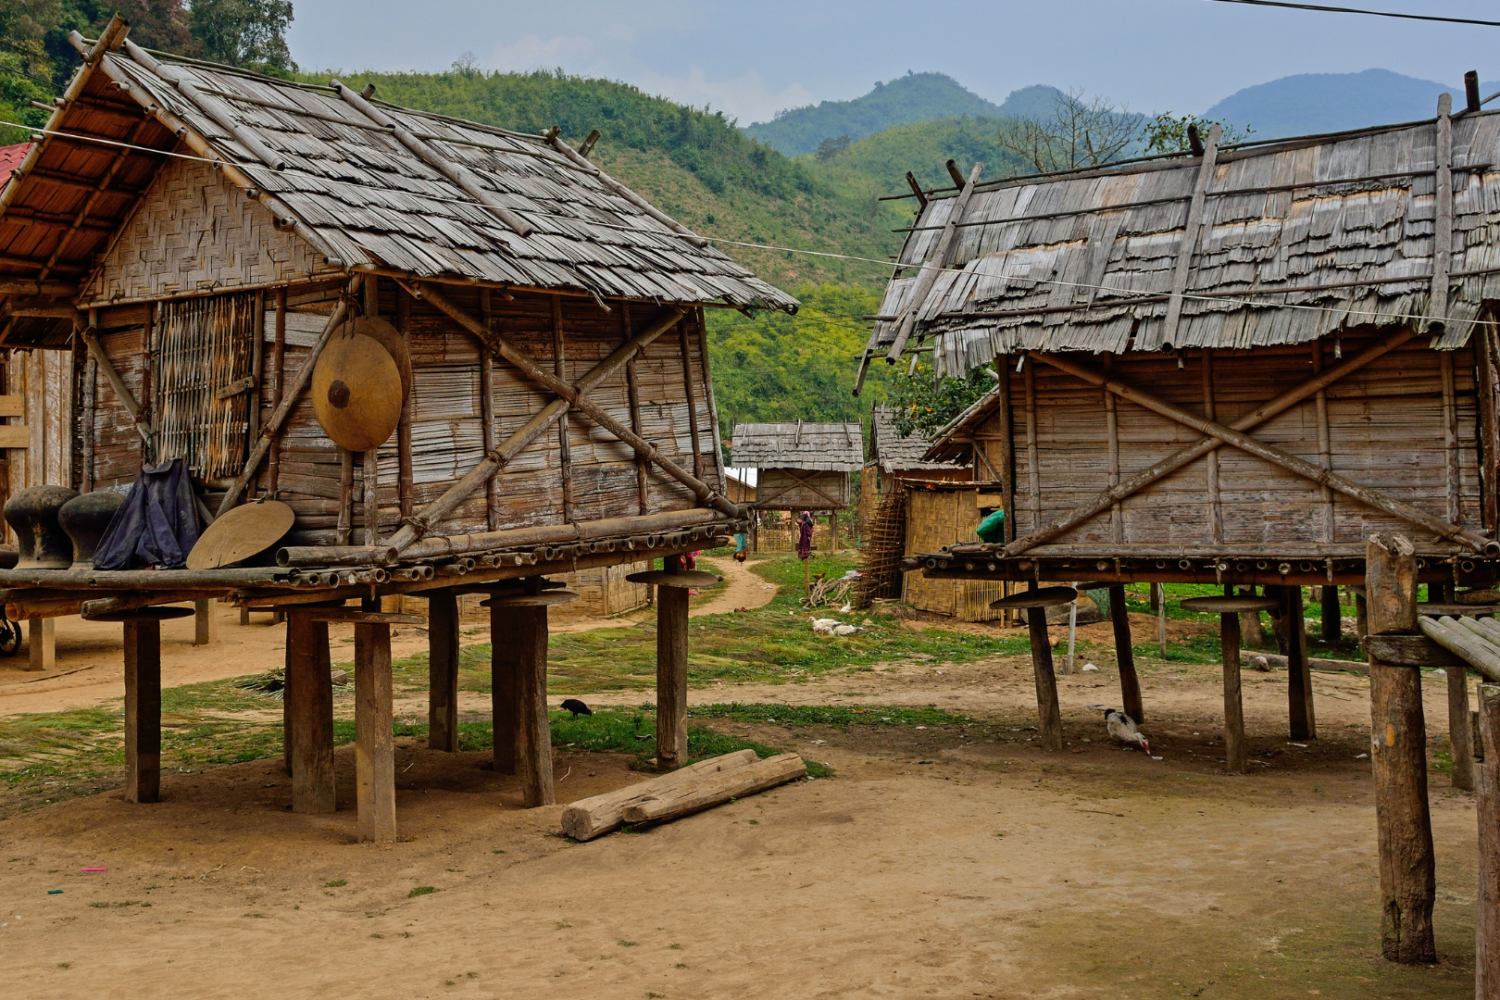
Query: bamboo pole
x,y
624,192
1178,459
346,495
405,482
1399,758
928,275
564,452
633,391
278,369
1277,456
1215,512
487,415
1191,233
1487,922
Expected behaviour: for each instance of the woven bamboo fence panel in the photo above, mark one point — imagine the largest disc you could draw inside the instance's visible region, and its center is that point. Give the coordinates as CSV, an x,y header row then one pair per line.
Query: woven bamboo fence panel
x,y
202,346
938,517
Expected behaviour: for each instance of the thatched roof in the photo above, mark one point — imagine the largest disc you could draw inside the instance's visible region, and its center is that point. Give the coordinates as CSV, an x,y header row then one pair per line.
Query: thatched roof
x,y
817,447
470,202
1299,238
894,453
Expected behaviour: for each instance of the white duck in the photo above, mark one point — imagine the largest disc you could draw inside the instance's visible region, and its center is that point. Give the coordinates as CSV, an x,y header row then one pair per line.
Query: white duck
x,y
1122,728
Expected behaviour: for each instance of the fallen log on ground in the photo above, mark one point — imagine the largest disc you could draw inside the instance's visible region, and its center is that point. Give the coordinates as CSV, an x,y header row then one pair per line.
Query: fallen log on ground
x,y
1276,661
707,790
588,818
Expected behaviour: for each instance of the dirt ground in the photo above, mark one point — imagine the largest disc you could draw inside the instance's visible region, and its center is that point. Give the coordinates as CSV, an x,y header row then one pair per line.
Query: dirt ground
x,y
955,861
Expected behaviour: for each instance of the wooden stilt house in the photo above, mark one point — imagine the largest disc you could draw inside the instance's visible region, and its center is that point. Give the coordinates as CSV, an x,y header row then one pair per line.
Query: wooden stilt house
x,y
1228,368
801,466
201,239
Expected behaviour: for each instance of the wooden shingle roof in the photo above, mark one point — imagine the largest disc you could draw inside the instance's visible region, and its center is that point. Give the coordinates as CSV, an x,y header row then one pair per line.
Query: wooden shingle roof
x,y
894,453
818,447
1298,238
368,185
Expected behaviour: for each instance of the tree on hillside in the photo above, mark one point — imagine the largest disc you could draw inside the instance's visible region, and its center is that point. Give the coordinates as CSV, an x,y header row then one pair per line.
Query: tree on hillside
x,y
249,33
1080,132
829,148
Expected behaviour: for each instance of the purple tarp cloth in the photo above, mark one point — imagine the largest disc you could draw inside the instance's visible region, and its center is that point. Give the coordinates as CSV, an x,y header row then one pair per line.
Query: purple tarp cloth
x,y
157,525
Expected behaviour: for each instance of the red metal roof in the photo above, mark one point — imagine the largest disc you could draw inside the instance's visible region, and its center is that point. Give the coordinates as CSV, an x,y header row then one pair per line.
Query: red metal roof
x,y
10,159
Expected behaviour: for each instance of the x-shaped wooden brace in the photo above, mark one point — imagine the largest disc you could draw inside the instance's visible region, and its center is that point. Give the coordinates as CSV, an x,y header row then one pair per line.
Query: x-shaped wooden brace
x,y
1218,434
799,478
571,397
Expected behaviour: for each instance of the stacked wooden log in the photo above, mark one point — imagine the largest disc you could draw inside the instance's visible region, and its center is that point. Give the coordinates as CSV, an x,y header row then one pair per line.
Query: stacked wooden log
x,y
688,790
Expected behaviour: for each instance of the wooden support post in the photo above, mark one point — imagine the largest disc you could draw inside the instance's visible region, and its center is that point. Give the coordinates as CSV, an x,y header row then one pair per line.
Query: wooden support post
x,y
308,700
370,489
1235,752
487,409
278,370
1033,474
346,496
505,689
244,616
374,742
1361,615
142,710
1460,736
671,672
1049,715
41,644
1303,722
1112,428
633,391
1333,614
442,672
205,622
1007,445
533,730
1250,628
1398,751
1161,618
405,487
1130,684
1487,924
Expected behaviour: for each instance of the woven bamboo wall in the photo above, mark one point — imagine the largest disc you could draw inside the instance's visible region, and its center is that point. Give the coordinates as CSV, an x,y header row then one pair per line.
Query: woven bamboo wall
x,y
447,432
942,516
782,536
1386,425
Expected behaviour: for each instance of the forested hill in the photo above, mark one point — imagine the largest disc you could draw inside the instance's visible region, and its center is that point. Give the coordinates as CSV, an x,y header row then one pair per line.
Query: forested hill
x,y
915,97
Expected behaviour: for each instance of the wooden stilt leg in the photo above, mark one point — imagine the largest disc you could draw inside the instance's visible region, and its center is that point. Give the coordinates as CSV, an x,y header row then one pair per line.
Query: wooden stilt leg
x,y
308,700
442,672
142,710
504,688
1361,616
671,676
1234,712
533,731
1130,684
1398,752
205,622
374,743
1333,615
1460,737
1304,724
1251,632
244,616
1487,925
41,644
1048,714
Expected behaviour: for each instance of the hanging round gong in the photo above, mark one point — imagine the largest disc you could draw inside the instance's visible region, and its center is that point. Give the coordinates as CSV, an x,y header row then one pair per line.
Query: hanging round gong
x,y
241,532
390,338
356,392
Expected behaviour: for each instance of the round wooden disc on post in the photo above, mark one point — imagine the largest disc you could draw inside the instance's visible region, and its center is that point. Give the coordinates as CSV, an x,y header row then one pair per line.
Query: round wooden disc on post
x,y
545,599
667,578
156,614
1047,597
1230,605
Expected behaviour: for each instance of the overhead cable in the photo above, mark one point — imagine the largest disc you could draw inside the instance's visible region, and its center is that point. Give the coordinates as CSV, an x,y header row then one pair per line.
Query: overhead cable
x,y
1357,10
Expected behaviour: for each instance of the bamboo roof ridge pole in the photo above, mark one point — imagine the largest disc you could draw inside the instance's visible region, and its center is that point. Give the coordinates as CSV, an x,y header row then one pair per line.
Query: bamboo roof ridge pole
x,y
456,173
1192,452
1442,226
122,392
213,107
929,274
272,428
1277,456
624,192
1398,752
1191,233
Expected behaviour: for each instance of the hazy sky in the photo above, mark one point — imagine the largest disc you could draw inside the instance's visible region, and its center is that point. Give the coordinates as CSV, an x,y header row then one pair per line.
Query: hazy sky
x,y
754,57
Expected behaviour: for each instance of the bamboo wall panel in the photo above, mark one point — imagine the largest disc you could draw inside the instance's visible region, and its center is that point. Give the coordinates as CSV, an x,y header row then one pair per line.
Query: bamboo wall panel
x,y
784,489
45,380
194,231
117,444
1386,432
201,346
939,517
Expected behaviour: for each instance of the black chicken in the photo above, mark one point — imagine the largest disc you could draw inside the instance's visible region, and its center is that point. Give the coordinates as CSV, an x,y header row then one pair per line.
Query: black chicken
x,y
576,707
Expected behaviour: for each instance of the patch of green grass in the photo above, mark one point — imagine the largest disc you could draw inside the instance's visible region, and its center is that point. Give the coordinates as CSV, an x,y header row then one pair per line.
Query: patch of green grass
x,y
337,883
829,715
422,890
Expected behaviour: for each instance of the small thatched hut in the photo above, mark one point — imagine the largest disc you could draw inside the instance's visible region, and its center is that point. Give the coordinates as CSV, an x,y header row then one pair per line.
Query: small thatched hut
x,y
801,466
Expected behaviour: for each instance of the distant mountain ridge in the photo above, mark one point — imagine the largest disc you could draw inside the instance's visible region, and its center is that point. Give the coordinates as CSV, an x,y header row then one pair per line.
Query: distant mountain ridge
x,y
915,97
1310,103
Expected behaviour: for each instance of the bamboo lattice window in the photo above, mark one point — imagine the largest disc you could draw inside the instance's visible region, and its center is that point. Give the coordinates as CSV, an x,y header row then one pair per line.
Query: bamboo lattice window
x,y
201,393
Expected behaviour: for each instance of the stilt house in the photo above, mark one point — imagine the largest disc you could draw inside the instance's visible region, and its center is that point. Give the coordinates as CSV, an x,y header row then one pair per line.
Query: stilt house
x,y
196,237
1231,367
801,466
